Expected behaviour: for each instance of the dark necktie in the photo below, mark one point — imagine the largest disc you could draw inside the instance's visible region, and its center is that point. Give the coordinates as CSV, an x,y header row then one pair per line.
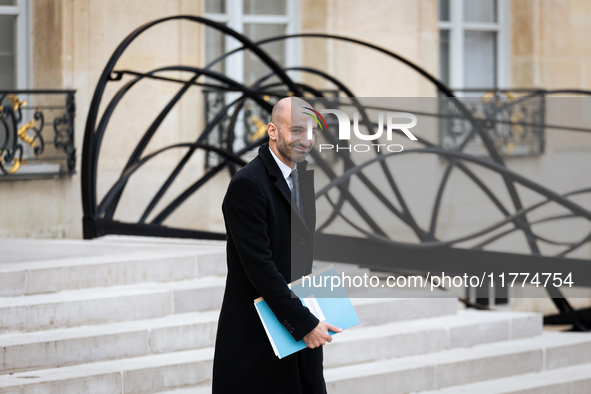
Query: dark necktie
x,y
295,189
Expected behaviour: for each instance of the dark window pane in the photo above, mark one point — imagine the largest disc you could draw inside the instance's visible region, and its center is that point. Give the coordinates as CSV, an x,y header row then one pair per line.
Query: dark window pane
x,y
215,6
480,59
7,52
480,10
7,36
265,7
444,55
7,73
253,67
7,2
215,46
444,10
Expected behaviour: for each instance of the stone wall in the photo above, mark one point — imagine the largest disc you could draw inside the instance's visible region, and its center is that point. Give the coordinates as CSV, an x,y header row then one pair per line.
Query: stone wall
x,y
408,28
549,44
72,42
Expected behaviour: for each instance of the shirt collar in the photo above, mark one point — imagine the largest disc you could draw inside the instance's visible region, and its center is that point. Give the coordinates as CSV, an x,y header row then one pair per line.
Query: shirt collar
x,y
285,169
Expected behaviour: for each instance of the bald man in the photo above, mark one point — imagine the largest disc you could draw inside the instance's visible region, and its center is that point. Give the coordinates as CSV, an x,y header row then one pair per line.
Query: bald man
x,y
269,228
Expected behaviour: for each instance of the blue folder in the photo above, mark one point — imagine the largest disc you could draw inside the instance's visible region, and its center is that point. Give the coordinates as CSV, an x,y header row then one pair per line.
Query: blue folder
x,y
333,303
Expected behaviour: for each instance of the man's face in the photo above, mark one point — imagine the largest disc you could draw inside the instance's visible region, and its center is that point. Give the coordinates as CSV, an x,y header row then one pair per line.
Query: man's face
x,y
292,135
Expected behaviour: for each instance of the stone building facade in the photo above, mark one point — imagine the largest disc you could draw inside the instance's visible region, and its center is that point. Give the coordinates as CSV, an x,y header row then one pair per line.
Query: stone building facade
x,y
526,43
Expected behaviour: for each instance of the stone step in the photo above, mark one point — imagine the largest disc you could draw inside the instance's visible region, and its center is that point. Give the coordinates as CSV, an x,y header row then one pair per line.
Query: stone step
x,y
201,389
375,311
128,338
109,304
549,351
147,300
146,374
571,380
172,373
114,239
401,339
110,269
86,344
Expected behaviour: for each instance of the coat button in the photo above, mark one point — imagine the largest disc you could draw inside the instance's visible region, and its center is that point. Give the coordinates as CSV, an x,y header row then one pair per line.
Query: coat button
x,y
291,330
284,322
302,241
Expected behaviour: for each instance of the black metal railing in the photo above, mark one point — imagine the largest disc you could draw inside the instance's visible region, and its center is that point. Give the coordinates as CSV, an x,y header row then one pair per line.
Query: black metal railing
x,y
252,127
515,127
36,133
495,134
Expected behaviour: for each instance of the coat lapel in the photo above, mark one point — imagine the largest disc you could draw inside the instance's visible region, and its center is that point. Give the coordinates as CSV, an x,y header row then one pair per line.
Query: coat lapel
x,y
306,186
307,193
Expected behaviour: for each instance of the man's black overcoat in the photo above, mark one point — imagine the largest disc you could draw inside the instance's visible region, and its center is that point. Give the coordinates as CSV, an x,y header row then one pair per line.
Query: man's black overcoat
x,y
264,234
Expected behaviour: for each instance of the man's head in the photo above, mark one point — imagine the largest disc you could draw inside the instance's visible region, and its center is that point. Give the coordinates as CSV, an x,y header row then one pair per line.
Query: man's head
x,y
288,131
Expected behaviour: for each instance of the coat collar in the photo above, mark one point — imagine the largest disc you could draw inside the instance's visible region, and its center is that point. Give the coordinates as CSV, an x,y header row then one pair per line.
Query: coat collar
x,y
272,167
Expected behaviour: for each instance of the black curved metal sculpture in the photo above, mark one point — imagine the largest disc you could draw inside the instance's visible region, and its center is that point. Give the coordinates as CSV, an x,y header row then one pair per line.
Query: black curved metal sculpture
x,y
99,215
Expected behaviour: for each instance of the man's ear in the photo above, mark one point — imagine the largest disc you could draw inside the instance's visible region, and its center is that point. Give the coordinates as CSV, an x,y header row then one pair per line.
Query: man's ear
x,y
272,131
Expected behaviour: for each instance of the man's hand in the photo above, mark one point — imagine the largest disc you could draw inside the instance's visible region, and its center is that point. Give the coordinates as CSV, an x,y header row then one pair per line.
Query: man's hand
x,y
319,335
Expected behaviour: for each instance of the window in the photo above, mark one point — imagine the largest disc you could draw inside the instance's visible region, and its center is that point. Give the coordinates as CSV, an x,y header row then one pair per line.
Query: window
x,y
256,19
14,47
473,43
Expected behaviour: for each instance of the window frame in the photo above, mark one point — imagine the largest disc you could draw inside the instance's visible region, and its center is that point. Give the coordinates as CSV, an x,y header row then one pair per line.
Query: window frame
x,y
235,18
23,54
457,28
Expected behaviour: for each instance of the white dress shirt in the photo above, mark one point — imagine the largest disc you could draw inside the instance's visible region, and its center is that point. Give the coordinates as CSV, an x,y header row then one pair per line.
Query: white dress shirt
x,y
285,169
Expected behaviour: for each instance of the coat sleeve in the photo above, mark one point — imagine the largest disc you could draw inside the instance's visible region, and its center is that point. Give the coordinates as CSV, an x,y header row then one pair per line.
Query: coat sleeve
x,y
245,215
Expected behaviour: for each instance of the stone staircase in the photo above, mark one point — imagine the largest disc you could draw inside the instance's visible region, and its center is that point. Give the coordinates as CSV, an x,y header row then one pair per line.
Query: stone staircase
x,y
136,315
